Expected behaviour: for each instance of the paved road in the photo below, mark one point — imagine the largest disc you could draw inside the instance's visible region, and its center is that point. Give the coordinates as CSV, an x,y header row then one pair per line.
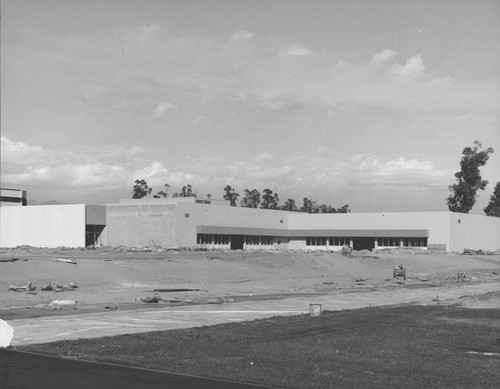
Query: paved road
x,y
54,328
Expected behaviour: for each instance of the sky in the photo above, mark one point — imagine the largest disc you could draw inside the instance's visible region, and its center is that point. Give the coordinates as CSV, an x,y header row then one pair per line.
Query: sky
x,y
359,102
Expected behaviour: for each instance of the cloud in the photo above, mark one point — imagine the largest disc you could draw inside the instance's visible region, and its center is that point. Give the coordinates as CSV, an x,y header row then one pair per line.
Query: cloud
x,y
163,107
124,104
295,50
242,35
383,56
413,68
263,157
198,119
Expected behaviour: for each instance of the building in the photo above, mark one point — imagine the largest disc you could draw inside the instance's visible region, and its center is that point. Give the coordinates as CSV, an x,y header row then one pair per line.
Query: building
x,y
191,222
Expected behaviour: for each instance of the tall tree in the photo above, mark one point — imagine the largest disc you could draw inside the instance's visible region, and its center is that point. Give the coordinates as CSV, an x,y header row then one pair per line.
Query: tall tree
x,y
308,205
269,200
186,191
289,206
344,209
231,195
469,181
493,207
251,199
140,189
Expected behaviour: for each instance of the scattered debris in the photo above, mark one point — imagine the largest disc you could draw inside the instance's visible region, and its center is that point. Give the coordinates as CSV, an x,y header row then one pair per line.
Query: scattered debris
x,y
436,299
239,282
423,279
477,252
111,307
47,288
9,259
175,290
66,260
346,251
24,288
399,271
461,277
149,299
63,302
359,279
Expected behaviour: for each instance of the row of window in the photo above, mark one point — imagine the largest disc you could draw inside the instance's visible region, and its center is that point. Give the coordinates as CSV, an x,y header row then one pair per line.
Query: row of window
x,y
386,242
213,239
225,239
323,241
259,240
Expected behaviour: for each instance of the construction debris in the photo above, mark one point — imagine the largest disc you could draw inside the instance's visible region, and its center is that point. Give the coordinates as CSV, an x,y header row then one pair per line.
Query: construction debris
x,y
9,259
175,290
399,271
24,288
477,252
462,277
58,303
66,260
150,299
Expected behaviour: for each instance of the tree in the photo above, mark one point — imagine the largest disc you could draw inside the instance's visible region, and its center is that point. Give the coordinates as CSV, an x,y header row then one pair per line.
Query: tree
x,y
162,193
289,206
493,207
464,192
231,195
251,199
344,209
140,189
309,206
269,201
186,191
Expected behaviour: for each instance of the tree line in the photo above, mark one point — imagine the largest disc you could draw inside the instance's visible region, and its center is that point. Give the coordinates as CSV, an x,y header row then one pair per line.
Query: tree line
x,y
251,198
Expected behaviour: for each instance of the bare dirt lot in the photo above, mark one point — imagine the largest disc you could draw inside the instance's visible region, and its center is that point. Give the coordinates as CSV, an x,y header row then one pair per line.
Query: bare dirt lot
x,y
110,278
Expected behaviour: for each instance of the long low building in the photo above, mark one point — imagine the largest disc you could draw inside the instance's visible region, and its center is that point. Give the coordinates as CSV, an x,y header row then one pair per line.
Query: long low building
x,y
213,224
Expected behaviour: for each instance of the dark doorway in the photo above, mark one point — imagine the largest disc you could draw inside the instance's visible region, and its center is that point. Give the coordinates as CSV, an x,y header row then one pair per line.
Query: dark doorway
x,y
92,234
236,242
363,243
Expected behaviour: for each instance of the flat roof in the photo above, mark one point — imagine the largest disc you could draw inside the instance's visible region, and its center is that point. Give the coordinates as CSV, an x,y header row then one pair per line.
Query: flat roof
x,y
378,233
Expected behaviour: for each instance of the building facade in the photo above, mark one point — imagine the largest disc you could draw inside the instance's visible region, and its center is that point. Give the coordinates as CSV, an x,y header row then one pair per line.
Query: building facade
x,y
213,224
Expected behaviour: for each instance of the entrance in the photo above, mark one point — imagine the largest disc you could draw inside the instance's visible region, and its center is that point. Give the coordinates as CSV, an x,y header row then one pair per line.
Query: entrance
x,y
236,242
363,243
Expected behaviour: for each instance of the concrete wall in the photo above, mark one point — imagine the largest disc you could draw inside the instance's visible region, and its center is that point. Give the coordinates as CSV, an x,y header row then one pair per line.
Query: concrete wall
x,y
436,222
238,217
43,226
474,232
140,225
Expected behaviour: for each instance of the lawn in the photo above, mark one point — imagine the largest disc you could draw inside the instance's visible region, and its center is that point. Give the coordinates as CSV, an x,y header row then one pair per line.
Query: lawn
x,y
404,346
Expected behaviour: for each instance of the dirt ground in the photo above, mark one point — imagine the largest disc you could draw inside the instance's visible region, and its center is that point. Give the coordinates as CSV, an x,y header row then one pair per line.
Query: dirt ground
x,y
110,278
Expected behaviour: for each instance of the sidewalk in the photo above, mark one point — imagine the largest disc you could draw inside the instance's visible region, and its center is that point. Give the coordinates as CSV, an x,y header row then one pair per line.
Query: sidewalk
x,y
56,328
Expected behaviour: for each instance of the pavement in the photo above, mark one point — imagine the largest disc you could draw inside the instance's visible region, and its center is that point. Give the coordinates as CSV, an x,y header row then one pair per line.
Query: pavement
x,y
93,325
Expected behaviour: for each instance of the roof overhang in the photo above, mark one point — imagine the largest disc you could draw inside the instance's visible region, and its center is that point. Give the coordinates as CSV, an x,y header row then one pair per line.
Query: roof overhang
x,y
400,233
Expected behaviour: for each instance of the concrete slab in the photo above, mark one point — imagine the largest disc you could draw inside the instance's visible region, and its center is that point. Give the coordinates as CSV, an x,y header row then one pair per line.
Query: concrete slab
x,y
55,328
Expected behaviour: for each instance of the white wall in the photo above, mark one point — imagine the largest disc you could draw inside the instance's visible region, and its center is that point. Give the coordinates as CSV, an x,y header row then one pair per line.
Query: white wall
x,y
43,226
474,232
436,222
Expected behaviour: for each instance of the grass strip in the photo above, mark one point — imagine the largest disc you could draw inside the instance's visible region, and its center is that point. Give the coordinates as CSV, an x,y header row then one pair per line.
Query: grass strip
x,y
410,346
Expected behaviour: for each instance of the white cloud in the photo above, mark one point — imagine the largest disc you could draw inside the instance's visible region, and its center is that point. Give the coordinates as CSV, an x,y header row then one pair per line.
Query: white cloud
x,y
413,68
162,108
295,50
242,35
383,56
262,157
